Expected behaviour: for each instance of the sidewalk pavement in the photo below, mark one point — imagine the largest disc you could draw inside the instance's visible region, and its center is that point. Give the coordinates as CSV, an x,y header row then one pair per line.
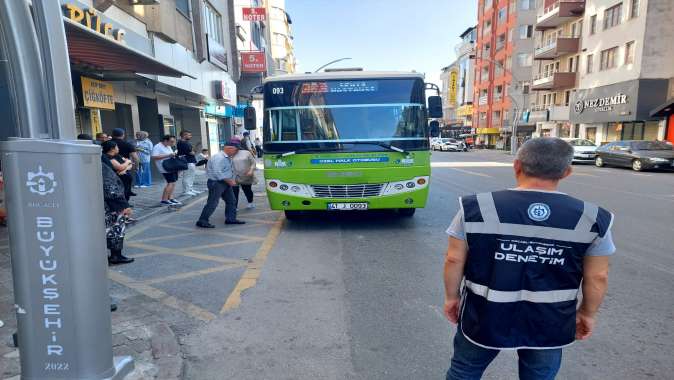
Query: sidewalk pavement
x,y
141,327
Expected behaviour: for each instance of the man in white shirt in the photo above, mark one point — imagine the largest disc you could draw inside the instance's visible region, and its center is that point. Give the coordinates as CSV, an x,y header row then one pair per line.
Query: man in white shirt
x,y
162,151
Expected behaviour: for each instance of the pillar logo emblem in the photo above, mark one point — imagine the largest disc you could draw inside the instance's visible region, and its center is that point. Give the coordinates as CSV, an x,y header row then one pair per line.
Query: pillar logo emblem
x,y
40,182
539,212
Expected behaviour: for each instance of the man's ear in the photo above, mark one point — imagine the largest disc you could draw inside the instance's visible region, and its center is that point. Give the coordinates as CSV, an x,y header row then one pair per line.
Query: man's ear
x,y
567,172
517,166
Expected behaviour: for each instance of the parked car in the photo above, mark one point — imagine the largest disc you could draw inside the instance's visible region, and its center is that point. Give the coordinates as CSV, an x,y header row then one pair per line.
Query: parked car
x,y
638,155
449,144
583,150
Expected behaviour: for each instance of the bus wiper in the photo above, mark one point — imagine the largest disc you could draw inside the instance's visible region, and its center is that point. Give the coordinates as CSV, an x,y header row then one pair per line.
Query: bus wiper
x,y
381,144
307,150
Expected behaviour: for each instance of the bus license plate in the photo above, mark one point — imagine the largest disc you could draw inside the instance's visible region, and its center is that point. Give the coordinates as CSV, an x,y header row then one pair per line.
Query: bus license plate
x,y
347,206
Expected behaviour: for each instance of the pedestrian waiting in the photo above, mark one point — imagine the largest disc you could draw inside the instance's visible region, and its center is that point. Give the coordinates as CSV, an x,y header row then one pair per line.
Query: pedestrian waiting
x,y
117,211
186,152
524,254
160,153
144,150
221,180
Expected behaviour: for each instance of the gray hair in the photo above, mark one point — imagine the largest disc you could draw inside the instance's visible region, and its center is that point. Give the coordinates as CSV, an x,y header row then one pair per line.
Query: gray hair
x,y
545,157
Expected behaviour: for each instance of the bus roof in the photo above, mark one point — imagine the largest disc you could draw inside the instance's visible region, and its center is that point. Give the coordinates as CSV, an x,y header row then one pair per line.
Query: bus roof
x,y
344,75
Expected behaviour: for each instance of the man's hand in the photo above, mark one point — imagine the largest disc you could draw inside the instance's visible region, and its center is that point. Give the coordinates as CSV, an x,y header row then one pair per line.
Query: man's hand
x,y
451,309
127,211
584,326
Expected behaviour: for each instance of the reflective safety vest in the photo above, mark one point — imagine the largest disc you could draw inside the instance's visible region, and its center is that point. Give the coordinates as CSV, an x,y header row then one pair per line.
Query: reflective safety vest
x,y
525,266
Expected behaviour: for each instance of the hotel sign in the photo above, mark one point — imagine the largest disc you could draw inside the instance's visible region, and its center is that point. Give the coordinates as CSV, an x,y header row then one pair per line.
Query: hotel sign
x,y
453,85
97,94
254,14
253,62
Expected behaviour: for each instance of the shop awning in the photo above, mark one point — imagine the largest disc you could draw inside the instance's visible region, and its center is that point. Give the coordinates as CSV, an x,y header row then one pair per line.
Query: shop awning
x,y
99,52
664,110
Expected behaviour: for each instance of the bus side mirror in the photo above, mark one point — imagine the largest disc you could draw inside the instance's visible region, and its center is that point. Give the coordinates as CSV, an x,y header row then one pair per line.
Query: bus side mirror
x,y
249,119
434,128
434,107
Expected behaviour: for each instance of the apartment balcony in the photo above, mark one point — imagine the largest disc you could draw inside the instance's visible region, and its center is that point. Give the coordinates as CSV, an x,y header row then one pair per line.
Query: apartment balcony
x,y
559,47
554,81
483,100
543,113
464,48
560,12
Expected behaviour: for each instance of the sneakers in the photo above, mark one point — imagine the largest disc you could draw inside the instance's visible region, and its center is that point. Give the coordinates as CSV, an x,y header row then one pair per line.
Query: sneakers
x,y
192,193
251,205
166,203
204,224
175,202
234,222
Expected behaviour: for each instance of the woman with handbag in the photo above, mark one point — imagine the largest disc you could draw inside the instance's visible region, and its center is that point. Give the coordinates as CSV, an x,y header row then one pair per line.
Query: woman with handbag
x,y
162,152
243,164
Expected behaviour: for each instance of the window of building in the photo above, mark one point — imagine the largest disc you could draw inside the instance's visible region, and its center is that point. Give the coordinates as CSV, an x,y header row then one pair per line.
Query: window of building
x,y
589,64
593,24
500,42
612,16
524,60
487,4
526,31
629,53
498,92
183,6
213,23
510,35
577,29
496,117
502,15
525,88
567,97
572,66
526,5
513,7
634,9
608,60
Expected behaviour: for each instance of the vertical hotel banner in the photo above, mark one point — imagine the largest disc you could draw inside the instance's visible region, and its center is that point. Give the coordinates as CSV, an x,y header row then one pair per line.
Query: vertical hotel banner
x,y
453,86
97,94
253,62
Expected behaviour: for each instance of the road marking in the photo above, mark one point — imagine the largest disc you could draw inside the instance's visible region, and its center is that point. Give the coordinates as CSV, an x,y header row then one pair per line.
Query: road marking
x,y
471,164
186,275
159,295
139,229
254,268
584,174
473,173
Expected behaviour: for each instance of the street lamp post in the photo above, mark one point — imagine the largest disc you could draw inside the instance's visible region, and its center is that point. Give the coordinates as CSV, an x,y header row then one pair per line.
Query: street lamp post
x,y
330,63
513,138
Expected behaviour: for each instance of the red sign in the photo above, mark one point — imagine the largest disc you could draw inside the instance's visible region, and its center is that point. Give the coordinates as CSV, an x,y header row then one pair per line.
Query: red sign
x,y
314,87
254,14
253,62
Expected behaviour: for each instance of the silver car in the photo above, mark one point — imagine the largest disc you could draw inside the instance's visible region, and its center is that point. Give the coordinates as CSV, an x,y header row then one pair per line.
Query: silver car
x,y
583,150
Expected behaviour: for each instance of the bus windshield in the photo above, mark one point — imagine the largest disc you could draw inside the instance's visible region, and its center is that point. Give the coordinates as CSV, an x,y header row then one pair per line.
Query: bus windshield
x,y
321,114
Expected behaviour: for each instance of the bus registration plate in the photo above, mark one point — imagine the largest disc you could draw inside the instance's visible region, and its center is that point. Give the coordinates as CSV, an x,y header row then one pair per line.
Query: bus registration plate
x,y
347,206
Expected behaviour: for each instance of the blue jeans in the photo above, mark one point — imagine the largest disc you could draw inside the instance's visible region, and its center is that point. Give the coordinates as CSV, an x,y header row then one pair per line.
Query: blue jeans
x,y
144,174
470,361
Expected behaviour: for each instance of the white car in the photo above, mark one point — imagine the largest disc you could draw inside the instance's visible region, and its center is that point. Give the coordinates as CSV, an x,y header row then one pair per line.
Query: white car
x,y
448,144
583,150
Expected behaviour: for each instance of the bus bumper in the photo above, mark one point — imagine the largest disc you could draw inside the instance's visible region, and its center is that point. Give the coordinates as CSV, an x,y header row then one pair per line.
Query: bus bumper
x,y
411,199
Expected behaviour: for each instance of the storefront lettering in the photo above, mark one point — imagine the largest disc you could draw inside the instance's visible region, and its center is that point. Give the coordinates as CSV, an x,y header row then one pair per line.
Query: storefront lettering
x,y
92,20
600,104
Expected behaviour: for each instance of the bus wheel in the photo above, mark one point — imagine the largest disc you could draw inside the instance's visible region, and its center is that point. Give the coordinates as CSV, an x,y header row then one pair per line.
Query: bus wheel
x,y
407,212
292,214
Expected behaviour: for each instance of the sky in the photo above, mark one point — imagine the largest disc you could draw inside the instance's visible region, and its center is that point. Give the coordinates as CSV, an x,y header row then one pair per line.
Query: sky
x,y
380,34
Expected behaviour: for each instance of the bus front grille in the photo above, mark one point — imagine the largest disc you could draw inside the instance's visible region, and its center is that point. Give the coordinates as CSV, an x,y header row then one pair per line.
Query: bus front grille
x,y
347,191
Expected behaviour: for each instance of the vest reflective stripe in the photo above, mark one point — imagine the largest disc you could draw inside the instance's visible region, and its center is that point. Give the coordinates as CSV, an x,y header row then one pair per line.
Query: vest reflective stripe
x,y
487,208
589,217
530,231
549,296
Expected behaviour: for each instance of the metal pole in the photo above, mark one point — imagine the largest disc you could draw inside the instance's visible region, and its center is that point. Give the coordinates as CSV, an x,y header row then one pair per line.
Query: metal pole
x,y
56,65
513,138
24,63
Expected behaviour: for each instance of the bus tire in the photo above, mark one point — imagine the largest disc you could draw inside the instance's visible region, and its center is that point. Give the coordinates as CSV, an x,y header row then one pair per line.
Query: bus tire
x,y
292,214
407,212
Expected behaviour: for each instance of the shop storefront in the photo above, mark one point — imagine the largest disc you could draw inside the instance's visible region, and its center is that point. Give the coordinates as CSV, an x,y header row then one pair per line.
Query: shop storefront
x,y
219,124
666,111
621,111
488,137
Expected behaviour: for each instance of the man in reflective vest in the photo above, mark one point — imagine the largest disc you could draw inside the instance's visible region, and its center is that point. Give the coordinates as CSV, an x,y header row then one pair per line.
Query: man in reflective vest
x,y
524,254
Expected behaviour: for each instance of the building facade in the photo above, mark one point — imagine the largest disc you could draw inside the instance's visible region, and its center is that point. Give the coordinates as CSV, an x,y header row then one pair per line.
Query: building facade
x,y
503,69
559,28
626,70
158,68
281,37
466,78
449,78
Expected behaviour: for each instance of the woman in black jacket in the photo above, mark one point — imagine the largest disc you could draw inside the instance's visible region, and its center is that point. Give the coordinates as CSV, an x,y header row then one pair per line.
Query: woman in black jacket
x,y
117,212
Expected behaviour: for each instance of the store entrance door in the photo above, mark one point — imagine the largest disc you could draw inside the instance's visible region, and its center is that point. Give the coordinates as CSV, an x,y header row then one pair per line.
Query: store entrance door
x,y
120,117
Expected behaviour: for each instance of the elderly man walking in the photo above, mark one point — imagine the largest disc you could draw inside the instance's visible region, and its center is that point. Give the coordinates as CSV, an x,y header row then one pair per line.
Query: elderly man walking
x,y
220,183
524,254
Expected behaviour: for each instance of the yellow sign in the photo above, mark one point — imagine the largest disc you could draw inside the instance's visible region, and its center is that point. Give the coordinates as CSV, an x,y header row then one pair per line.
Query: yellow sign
x,y
488,131
466,110
97,94
95,122
453,86
92,20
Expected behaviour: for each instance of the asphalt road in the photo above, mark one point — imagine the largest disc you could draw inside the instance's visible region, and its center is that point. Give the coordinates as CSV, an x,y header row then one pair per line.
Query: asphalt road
x,y
359,296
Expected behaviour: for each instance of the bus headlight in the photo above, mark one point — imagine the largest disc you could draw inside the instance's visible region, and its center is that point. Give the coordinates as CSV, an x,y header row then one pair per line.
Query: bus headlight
x,y
412,184
295,189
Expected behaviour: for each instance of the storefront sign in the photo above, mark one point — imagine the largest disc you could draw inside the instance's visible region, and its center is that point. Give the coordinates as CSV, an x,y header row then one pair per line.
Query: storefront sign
x,y
253,62
453,85
254,14
466,110
97,94
96,126
488,131
225,90
92,20
600,104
